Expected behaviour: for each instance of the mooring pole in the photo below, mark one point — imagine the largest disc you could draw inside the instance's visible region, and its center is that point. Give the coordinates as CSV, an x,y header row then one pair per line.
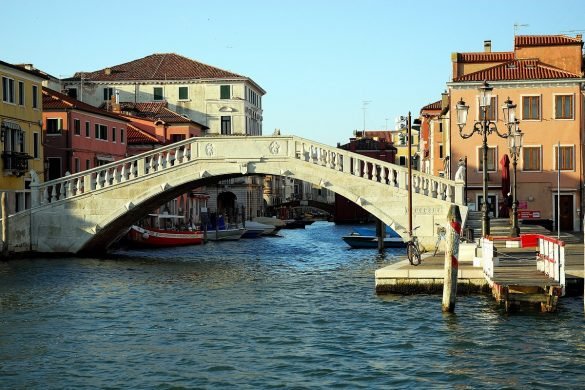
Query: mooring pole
x,y
451,259
4,227
380,230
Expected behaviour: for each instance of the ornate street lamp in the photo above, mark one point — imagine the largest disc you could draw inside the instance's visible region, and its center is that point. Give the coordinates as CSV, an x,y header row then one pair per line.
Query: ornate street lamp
x,y
484,126
515,144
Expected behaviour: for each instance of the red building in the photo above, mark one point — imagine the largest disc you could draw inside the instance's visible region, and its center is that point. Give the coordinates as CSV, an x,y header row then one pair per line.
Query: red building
x,y
380,148
78,136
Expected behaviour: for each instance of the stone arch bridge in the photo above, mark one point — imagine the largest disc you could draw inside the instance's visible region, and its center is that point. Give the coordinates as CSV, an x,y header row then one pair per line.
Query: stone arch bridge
x,y
85,212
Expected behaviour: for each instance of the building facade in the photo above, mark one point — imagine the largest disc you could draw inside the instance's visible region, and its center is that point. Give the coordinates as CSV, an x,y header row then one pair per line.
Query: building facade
x,y
544,77
224,101
78,136
20,133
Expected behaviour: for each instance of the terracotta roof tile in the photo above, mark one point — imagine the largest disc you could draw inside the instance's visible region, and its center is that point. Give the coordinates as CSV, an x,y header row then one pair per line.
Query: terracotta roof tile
x,y
485,57
432,106
518,70
545,40
166,66
141,134
57,101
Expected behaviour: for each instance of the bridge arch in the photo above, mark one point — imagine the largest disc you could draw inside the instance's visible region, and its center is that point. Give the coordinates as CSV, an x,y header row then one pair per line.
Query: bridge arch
x,y
86,211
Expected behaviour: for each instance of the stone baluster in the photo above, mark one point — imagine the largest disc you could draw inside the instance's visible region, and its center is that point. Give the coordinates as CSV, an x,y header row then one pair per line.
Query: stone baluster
x,y
383,176
70,187
160,164
53,193
124,173
434,185
78,185
365,172
180,154
356,168
449,193
63,190
138,168
45,198
402,178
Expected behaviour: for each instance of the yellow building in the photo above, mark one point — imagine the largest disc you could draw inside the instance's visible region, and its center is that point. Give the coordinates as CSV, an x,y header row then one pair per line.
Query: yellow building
x,y
20,133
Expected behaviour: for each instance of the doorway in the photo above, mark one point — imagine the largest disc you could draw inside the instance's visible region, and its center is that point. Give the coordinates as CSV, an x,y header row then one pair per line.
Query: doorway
x,y
492,204
566,217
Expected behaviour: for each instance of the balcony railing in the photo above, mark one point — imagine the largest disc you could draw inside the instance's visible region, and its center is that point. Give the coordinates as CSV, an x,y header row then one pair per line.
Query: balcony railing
x,y
17,162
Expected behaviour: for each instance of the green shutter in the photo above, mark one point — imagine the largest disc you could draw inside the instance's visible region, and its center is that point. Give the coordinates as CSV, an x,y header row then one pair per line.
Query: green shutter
x,y
224,92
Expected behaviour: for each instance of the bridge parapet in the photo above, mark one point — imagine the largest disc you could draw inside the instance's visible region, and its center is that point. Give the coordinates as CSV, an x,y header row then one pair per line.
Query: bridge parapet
x,y
278,147
379,171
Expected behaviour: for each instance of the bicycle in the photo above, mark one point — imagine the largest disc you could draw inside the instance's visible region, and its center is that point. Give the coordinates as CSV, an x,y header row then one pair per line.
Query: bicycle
x,y
412,248
441,235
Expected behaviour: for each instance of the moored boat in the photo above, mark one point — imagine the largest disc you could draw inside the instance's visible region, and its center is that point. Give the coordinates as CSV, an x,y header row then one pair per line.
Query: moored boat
x,y
164,238
225,234
256,229
366,238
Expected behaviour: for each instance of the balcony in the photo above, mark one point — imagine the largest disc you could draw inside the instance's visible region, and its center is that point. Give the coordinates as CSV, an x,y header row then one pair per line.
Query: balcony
x,y
15,162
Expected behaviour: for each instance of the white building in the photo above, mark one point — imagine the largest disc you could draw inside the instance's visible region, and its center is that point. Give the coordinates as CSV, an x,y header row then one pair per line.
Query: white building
x,y
226,102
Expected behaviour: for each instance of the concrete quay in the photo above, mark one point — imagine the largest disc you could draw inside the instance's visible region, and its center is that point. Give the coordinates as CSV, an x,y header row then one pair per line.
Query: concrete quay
x,y
427,278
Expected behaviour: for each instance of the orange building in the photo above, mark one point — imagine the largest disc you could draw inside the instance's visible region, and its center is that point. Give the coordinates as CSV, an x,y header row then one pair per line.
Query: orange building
x,y
543,76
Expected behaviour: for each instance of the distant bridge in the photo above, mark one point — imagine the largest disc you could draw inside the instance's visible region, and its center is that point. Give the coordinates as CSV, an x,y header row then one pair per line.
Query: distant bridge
x,y
329,208
86,211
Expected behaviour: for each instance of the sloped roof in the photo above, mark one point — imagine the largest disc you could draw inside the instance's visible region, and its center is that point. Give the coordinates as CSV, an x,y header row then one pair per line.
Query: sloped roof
x,y
164,66
479,57
140,134
53,100
432,106
545,40
154,111
23,68
529,69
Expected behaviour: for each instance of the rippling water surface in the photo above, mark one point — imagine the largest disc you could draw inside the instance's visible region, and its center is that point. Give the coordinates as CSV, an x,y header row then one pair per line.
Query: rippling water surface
x,y
295,311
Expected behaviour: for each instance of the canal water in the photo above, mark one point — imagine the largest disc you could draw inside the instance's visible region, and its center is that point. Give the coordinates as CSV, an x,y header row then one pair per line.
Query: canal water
x,y
294,311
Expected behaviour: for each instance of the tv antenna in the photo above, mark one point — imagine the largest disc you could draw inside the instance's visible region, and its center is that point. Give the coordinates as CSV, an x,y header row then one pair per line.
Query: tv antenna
x,y
364,108
517,26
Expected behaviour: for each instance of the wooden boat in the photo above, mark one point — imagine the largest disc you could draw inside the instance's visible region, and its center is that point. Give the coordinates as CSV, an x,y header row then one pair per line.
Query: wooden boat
x,y
163,238
366,238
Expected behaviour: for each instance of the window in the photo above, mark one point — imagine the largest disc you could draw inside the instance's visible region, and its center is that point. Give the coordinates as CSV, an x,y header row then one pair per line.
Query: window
x,y
225,92
121,136
402,160
108,93
101,131
35,96
226,125
440,150
36,145
440,127
564,107
531,158
183,93
7,90
21,93
87,129
113,134
530,107
491,111
77,126
567,162
87,164
157,93
491,159
54,125
77,165
177,137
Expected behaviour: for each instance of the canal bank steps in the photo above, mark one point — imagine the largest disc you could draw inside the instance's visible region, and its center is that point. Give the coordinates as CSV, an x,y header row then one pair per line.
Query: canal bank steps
x,y
427,278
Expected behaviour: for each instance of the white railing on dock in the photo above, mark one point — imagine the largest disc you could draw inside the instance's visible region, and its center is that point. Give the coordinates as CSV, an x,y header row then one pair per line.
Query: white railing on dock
x,y
488,259
551,259
248,149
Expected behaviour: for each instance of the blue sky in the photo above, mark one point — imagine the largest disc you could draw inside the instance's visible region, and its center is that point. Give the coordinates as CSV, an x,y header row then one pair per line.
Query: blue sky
x,y
319,61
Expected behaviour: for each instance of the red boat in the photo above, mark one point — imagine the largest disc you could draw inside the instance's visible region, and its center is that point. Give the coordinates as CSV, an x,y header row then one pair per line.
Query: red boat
x,y
156,237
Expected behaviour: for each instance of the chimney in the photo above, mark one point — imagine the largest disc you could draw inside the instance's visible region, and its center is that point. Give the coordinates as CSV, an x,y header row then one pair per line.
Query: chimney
x,y
444,101
108,71
487,46
579,37
115,104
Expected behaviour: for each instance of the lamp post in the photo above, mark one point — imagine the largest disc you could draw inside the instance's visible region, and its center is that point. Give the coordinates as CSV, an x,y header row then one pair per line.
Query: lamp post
x,y
485,126
515,144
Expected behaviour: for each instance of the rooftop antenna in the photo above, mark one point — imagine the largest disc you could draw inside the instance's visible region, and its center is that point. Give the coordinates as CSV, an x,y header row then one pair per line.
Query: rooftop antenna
x,y
517,26
364,107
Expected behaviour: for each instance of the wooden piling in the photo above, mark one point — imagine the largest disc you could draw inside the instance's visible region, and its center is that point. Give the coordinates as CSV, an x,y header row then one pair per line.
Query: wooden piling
x,y
4,226
451,259
380,230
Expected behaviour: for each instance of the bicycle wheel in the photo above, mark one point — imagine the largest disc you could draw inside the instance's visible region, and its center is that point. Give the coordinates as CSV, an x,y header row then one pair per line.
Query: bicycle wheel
x,y
413,254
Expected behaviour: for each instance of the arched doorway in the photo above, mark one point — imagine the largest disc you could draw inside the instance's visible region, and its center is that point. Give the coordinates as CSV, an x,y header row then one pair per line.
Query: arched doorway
x,y
227,206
